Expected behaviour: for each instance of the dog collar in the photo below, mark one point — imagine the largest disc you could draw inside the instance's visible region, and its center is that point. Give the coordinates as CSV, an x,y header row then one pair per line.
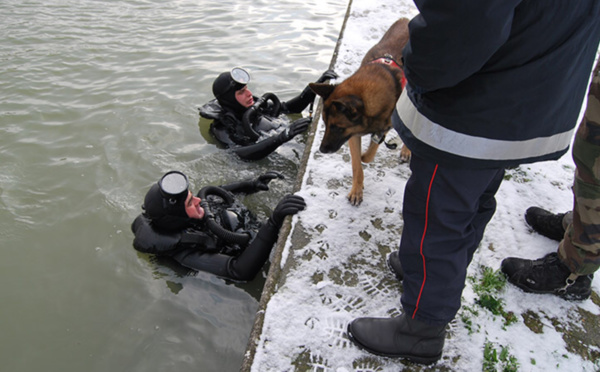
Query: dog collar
x,y
389,61
386,60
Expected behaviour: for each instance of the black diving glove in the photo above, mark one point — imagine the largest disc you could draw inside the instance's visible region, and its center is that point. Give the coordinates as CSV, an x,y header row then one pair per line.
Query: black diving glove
x,y
289,205
327,75
262,182
297,127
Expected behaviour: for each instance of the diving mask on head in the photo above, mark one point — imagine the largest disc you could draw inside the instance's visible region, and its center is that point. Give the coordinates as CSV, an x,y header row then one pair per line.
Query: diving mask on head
x,y
174,186
164,202
238,78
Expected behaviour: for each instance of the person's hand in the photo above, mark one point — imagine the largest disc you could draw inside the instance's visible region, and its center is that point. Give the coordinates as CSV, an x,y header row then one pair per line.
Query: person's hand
x,y
289,205
262,182
327,75
297,127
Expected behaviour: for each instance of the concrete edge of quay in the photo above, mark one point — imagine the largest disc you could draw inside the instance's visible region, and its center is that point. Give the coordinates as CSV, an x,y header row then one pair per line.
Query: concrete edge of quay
x,y
276,272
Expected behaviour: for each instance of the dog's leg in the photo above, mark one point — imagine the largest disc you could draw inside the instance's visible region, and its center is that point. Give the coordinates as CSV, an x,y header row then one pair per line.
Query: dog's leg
x,y
356,193
369,155
404,154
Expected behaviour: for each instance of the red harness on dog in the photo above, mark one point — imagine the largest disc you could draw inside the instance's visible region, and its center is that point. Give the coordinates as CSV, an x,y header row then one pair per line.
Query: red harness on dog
x,y
389,60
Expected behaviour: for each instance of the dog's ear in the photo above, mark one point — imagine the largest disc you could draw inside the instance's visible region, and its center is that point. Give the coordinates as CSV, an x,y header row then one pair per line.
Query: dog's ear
x,y
322,89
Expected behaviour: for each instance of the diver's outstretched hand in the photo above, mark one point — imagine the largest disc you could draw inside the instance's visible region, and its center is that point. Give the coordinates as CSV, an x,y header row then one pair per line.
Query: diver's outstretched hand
x,y
289,205
327,75
262,182
297,127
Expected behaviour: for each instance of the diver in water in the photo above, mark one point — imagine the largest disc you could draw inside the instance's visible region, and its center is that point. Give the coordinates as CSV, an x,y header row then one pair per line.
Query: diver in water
x,y
211,232
248,124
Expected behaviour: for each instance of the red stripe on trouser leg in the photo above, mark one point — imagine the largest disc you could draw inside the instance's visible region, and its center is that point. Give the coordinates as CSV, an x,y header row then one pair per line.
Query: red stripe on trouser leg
x,y
423,240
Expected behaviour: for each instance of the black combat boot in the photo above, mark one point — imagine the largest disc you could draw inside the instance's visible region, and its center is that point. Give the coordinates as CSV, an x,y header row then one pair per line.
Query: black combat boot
x,y
547,275
393,262
401,337
546,223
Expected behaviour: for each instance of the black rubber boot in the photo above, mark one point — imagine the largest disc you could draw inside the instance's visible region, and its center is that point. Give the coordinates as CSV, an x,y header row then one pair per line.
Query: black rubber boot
x,y
546,223
393,262
547,275
400,337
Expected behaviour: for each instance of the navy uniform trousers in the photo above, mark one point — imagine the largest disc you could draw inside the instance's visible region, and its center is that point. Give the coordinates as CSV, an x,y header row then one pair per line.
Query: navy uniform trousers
x,y
445,214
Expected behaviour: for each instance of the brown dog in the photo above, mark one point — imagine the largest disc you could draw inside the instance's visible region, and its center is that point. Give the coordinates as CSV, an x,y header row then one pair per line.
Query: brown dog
x,y
363,103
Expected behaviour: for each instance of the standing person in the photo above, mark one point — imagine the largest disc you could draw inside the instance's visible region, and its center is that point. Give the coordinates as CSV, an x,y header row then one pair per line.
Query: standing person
x,y
568,273
210,232
248,124
491,84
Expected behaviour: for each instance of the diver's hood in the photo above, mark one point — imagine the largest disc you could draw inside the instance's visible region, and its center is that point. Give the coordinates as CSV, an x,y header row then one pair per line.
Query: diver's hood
x,y
165,214
224,88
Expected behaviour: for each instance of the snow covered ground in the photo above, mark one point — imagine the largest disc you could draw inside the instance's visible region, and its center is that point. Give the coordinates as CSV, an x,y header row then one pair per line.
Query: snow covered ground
x,y
334,261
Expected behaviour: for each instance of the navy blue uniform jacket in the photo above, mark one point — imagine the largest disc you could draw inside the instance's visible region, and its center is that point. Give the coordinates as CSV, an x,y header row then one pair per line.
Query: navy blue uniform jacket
x,y
495,83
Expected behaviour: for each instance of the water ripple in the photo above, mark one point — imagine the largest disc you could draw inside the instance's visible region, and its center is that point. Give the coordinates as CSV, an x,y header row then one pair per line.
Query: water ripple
x,y
97,99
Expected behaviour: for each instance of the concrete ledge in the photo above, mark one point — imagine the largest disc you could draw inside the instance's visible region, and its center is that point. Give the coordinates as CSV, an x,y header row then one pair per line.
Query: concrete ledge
x,y
276,272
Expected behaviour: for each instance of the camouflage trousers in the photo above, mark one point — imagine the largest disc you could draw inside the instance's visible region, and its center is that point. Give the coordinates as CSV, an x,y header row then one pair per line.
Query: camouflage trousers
x,y
580,248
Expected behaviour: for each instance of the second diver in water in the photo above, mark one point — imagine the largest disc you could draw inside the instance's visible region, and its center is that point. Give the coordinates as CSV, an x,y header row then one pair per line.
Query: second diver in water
x,y
249,125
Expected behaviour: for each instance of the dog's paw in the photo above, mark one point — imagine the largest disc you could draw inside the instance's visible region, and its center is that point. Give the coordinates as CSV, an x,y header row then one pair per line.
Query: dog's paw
x,y
404,154
355,197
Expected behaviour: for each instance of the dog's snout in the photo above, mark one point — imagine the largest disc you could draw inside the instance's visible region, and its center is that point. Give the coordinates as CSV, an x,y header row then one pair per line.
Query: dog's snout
x,y
331,145
326,149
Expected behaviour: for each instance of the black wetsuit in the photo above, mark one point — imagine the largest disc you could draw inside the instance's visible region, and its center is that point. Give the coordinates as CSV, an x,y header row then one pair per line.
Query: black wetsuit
x,y
229,130
198,248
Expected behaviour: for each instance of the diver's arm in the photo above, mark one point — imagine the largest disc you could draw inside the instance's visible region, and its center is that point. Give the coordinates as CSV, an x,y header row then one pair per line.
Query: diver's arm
x,y
298,103
243,267
242,187
214,263
248,264
260,150
261,183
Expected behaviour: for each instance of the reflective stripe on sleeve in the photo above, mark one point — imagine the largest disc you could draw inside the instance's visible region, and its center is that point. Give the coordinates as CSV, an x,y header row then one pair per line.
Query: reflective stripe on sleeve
x,y
474,147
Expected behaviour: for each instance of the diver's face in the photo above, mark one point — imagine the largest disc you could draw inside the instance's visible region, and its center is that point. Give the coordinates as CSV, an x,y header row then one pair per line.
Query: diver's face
x,y
192,207
244,97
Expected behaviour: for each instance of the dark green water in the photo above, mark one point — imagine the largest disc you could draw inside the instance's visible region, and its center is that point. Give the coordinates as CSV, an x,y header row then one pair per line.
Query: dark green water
x,y
97,100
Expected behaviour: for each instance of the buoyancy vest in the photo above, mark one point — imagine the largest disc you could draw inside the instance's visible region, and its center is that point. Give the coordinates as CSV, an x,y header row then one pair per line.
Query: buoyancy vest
x,y
149,240
263,117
